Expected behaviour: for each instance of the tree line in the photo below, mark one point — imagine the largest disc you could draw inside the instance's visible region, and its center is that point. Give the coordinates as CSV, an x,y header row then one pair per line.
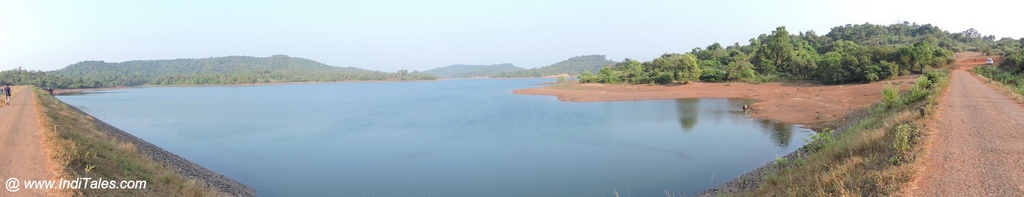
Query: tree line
x,y
847,54
574,65
215,70
1010,71
44,79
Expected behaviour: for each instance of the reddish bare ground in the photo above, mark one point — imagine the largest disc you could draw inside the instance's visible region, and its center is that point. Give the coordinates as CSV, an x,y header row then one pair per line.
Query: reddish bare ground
x,y
814,106
975,144
22,153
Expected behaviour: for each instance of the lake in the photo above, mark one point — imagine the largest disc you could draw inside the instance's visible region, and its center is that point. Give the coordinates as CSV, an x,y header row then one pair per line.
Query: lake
x,y
467,137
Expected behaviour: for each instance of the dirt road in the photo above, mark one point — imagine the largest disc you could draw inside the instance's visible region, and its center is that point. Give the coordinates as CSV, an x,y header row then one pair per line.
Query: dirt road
x,y
975,144
21,151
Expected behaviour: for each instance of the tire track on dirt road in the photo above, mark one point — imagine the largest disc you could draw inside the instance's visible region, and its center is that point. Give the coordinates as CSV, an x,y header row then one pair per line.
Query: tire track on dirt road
x,y
974,145
22,154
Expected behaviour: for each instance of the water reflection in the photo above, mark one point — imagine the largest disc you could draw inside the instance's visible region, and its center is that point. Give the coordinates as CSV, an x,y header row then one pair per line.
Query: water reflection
x,y
688,111
780,133
691,110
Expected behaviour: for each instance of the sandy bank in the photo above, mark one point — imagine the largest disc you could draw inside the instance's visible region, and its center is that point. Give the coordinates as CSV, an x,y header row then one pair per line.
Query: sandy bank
x,y
811,105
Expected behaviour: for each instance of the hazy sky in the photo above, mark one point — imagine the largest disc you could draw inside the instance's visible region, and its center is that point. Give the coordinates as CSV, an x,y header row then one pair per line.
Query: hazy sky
x,y
418,35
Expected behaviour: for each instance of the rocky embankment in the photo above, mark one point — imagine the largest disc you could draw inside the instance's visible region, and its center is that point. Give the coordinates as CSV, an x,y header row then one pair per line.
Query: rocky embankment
x,y
205,177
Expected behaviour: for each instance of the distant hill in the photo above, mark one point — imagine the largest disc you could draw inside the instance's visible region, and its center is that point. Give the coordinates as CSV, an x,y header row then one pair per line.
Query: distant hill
x,y
572,66
220,70
466,71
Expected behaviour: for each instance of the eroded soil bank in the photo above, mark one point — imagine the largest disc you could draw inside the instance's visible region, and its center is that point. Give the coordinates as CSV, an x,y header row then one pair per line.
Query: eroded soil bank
x,y
814,106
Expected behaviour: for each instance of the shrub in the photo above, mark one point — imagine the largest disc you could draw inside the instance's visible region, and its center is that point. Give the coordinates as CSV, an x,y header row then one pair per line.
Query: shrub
x,y
712,74
890,97
889,70
819,140
919,91
1013,62
748,73
902,138
587,77
1014,81
663,78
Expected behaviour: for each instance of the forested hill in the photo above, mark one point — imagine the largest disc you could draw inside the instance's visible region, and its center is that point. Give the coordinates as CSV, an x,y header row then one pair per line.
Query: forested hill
x,y
466,71
572,66
217,70
846,54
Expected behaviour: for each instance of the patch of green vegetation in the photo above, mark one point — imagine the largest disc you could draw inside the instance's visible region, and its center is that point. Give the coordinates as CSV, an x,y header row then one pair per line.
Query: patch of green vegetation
x,y
863,159
819,140
45,79
846,54
890,97
903,136
669,68
83,149
1013,81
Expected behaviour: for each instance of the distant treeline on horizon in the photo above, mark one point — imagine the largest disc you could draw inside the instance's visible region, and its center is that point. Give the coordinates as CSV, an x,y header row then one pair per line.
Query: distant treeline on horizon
x,y
846,54
214,70
571,66
256,70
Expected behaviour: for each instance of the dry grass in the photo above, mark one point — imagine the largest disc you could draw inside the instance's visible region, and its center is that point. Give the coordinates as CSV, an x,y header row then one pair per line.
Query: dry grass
x,y
81,149
863,160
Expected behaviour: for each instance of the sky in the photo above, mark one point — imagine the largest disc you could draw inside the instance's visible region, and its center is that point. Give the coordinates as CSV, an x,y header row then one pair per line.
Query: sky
x,y
389,35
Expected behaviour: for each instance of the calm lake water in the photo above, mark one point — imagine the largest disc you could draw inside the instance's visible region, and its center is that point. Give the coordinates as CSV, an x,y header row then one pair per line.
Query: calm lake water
x,y
468,137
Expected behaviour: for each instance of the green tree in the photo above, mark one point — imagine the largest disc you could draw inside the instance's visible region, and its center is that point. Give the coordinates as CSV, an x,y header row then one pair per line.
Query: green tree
x,y
780,48
1013,62
683,68
775,52
587,77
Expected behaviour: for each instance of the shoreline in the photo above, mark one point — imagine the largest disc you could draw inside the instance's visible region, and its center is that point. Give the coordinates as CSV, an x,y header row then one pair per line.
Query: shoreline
x,y
82,90
203,176
782,102
811,105
73,91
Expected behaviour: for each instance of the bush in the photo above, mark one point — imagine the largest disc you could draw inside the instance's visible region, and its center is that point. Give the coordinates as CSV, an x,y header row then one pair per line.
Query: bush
x,y
890,97
919,90
902,138
712,74
587,77
871,77
1013,63
663,78
818,140
640,79
1014,81
889,70
748,73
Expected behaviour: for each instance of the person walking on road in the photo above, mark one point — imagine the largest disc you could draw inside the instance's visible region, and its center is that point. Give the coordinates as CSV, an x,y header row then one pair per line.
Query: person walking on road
x,y
7,94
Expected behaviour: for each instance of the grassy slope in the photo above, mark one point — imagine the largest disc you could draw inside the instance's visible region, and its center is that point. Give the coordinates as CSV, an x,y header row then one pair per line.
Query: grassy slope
x,y
83,150
869,157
